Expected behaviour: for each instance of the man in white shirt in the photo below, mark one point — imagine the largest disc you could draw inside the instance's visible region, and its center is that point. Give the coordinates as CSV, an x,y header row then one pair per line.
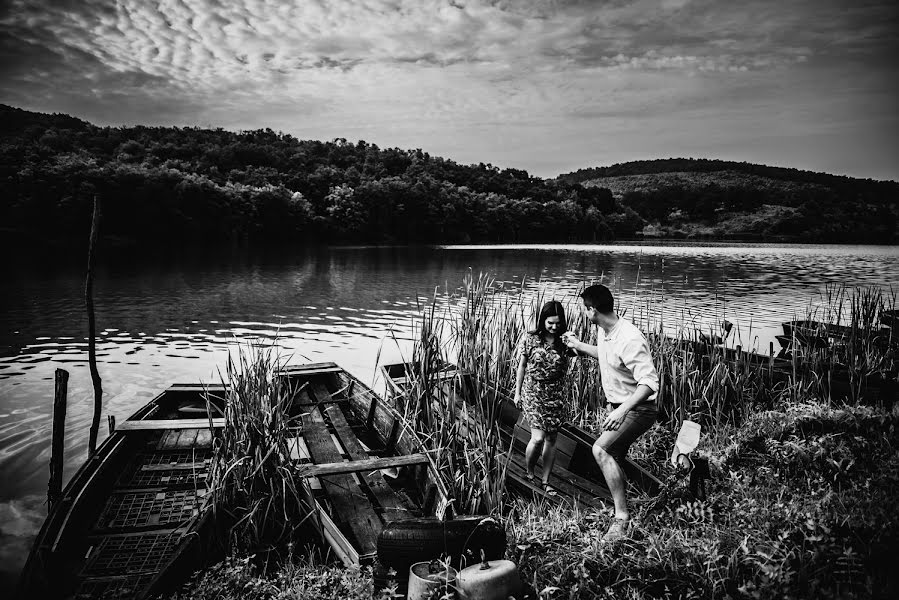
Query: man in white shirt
x,y
630,382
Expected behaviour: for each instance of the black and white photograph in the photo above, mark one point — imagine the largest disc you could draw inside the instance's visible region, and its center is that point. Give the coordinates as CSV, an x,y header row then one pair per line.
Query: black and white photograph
x,y
449,299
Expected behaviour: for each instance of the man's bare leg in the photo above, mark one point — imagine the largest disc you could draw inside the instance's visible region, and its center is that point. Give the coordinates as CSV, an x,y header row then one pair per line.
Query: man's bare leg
x,y
615,479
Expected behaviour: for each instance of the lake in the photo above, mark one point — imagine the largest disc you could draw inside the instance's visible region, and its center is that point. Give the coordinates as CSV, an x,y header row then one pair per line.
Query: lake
x,y
164,321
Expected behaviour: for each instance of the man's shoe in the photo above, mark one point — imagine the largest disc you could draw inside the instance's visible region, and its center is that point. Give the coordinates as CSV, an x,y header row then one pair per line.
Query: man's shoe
x,y
618,530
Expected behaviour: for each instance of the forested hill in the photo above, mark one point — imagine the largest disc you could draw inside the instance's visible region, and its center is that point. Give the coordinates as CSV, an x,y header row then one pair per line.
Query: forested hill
x,y
682,197
161,186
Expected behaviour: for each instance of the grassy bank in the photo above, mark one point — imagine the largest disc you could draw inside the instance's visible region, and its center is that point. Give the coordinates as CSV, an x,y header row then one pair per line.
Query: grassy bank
x,y
801,504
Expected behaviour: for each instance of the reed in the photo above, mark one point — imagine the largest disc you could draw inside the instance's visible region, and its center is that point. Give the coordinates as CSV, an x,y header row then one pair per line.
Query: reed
x,y
840,351
255,490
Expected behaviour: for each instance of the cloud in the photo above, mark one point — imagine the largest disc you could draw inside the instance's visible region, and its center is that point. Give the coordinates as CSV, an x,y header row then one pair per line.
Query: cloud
x,y
387,69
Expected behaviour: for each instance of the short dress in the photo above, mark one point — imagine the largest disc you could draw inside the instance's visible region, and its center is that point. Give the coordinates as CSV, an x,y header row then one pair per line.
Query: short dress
x,y
543,397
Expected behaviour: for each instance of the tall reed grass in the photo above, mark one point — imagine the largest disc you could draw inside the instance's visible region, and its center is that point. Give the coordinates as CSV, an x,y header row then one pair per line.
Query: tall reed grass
x,y
255,490
702,377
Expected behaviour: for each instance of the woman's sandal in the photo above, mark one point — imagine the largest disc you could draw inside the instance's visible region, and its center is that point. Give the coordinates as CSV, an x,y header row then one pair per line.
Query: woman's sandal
x,y
549,490
529,477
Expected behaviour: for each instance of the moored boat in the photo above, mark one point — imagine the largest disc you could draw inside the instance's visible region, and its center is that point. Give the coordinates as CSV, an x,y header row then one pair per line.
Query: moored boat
x,y
133,521
576,476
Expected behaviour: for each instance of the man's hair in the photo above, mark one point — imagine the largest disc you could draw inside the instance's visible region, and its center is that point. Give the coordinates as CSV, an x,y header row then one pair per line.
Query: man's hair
x,y
599,297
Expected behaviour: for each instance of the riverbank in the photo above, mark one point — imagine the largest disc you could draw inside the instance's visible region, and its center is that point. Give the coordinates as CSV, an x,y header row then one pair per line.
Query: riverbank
x,y
801,505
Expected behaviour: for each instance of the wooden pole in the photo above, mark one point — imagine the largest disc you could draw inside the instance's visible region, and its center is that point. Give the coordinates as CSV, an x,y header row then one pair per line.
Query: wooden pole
x,y
92,326
57,446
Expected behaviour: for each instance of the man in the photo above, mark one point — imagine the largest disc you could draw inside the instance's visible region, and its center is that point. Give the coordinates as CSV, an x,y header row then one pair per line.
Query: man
x,y
630,382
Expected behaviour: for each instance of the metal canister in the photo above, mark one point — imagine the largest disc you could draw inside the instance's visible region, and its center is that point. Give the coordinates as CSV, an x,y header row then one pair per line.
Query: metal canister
x,y
496,580
424,577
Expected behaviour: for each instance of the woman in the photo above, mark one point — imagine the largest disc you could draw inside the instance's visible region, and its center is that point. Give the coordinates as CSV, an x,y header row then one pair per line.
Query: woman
x,y
540,387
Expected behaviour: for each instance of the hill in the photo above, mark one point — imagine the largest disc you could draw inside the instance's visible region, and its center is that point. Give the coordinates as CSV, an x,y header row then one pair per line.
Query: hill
x,y
170,186
164,185
698,197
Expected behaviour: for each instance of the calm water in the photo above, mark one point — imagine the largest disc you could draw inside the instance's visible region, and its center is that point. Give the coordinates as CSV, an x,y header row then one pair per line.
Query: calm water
x,y
160,323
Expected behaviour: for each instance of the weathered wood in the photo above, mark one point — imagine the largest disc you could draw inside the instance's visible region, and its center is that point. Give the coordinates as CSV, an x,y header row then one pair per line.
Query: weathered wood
x,y
569,487
57,448
311,369
83,490
149,424
194,466
186,438
350,504
393,507
359,466
167,441
92,331
197,387
335,538
204,438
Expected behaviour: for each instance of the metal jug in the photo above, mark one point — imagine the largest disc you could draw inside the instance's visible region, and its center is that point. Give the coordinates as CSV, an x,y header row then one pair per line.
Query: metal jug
x,y
489,581
426,576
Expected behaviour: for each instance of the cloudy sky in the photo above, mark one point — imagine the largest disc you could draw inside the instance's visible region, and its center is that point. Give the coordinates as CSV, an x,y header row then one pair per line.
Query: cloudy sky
x,y
548,86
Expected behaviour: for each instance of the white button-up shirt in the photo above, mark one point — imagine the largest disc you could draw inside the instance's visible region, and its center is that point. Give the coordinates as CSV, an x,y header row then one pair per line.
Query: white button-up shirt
x,y
625,362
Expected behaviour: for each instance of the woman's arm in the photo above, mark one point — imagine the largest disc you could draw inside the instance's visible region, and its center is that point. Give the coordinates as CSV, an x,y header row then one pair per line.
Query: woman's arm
x,y
519,379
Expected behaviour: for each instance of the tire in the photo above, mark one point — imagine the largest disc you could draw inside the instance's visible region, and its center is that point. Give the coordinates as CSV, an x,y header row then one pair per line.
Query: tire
x,y
403,543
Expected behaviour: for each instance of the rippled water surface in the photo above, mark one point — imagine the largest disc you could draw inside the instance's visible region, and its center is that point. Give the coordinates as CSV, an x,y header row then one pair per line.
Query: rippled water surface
x,y
174,321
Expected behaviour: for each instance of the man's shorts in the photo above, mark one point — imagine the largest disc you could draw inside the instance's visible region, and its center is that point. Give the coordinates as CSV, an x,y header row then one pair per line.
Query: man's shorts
x,y
637,422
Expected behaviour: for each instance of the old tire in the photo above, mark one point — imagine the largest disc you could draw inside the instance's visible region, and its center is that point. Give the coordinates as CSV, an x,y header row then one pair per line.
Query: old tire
x,y
408,541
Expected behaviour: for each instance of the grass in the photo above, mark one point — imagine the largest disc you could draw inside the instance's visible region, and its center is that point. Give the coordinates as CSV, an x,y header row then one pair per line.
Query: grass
x,y
801,504
256,494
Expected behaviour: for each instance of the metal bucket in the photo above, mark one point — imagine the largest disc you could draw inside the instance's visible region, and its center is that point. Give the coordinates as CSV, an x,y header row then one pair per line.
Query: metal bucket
x,y
424,577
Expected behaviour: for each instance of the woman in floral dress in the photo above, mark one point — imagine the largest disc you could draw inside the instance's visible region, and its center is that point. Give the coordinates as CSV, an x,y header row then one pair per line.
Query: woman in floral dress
x,y
540,387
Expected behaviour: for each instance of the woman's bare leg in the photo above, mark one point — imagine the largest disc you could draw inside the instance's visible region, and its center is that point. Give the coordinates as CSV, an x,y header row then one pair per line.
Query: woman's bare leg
x,y
533,450
549,455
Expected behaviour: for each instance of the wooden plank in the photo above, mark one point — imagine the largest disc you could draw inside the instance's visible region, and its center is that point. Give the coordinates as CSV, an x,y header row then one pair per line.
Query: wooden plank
x,y
187,438
561,481
359,466
351,505
150,424
299,452
311,369
196,387
167,441
204,439
393,507
85,486
194,466
335,538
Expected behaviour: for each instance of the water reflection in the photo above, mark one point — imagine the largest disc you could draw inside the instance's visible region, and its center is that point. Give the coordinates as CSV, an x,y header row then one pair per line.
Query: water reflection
x,y
174,321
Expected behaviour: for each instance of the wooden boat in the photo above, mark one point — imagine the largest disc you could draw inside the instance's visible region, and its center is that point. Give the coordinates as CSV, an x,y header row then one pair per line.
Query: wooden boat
x,y
365,469
815,333
575,476
129,519
890,318
131,522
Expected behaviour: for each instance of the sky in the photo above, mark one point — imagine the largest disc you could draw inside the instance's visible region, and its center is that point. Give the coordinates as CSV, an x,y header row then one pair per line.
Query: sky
x,y
547,86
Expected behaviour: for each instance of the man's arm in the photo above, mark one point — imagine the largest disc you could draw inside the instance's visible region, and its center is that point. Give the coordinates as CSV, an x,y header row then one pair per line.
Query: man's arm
x,y
637,358
615,418
575,344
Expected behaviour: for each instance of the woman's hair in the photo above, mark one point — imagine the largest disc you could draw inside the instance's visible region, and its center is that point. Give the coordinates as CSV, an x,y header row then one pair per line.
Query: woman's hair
x,y
553,308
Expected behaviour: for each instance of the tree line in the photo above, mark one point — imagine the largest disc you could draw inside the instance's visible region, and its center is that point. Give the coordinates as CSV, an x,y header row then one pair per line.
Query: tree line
x,y
164,185
159,184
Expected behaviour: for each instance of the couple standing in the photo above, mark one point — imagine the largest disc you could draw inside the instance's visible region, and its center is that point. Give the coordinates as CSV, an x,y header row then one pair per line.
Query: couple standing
x,y
629,379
